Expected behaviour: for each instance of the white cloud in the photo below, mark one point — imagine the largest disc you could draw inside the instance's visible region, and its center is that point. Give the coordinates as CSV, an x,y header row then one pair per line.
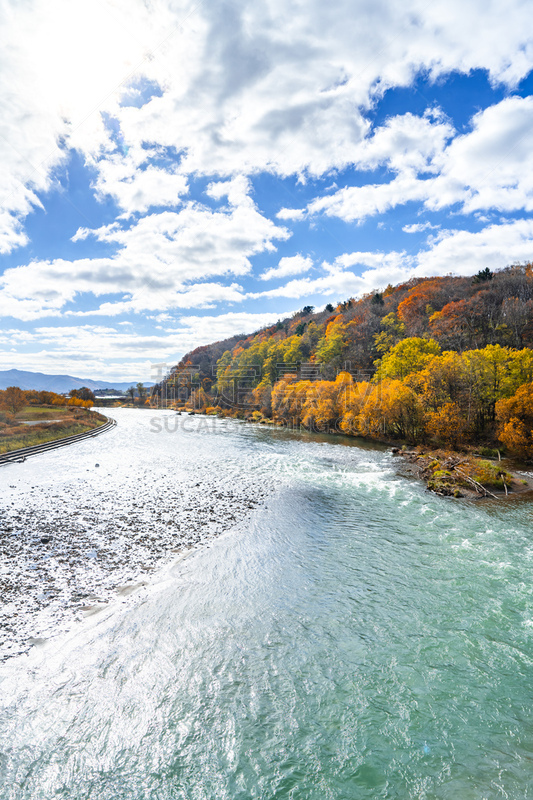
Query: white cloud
x,y
195,242
208,329
247,87
339,282
136,187
291,213
162,262
490,167
389,261
288,265
419,227
88,351
244,88
236,190
271,88
406,143
464,252
104,351
355,203
451,251
63,62
148,298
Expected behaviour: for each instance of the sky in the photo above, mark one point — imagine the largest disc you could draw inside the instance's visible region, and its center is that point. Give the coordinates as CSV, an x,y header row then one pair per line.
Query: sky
x,y
178,171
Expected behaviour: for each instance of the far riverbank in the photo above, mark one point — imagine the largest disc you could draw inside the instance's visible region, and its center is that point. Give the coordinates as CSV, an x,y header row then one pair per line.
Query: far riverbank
x,y
35,425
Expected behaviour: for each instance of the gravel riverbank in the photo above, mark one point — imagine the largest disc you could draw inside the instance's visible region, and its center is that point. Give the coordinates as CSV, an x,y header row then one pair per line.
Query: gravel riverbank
x,y
69,545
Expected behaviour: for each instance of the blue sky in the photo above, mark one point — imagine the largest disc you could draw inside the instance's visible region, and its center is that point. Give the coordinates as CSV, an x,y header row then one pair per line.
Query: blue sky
x,y
177,172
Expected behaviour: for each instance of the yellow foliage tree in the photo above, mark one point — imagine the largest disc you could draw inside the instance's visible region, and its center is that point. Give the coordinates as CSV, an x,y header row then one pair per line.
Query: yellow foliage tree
x,y
408,356
392,331
288,399
329,348
199,400
354,400
442,381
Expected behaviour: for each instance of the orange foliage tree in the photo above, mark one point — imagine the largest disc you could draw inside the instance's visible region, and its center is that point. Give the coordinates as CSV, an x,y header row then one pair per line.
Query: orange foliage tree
x,y
75,401
515,418
12,399
421,302
465,323
262,397
448,424
325,403
288,399
353,402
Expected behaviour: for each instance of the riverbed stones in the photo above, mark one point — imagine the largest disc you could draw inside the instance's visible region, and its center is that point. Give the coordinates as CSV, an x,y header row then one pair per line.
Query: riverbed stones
x,y
46,574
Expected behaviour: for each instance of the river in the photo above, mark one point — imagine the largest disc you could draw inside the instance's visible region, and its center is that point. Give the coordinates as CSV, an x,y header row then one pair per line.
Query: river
x,y
348,635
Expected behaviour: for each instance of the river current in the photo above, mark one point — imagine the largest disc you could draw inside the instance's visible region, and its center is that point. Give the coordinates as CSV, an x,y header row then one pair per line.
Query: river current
x,y
352,636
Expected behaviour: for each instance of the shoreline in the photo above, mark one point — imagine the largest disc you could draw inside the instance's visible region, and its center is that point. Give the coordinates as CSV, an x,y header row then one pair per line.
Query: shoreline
x,y
41,432
422,462
57,577
417,462
22,453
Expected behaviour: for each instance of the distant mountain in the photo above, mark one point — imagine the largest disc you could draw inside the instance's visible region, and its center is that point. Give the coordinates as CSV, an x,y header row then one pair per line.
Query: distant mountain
x,y
57,383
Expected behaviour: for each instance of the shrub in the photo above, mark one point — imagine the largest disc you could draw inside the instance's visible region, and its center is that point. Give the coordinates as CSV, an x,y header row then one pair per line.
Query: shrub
x,y
488,452
489,474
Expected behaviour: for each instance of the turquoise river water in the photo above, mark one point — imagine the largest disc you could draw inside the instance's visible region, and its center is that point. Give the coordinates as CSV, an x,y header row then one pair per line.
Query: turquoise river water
x,y
353,637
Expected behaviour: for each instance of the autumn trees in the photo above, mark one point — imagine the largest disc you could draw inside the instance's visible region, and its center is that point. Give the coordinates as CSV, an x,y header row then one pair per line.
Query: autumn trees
x,y
431,359
408,356
83,394
458,313
422,395
447,424
12,399
329,348
79,403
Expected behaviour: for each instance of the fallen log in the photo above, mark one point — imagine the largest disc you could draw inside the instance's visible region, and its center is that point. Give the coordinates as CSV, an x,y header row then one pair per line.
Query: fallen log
x,y
479,486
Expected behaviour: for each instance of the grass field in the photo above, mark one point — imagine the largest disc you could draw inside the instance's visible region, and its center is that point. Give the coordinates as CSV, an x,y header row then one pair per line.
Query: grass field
x,y
31,413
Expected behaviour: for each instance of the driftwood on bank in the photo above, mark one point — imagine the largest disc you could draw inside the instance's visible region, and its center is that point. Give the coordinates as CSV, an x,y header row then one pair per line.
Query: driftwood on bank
x,y
479,486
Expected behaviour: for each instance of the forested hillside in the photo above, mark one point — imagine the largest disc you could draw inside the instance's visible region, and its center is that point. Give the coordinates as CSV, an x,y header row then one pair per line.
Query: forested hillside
x,y
444,359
